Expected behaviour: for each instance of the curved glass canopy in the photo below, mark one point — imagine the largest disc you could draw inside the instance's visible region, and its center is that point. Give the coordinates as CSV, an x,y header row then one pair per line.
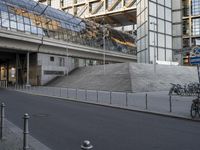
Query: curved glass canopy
x,y
30,17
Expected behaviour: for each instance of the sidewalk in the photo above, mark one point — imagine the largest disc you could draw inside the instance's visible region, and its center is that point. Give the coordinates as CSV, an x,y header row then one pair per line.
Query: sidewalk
x,y
156,102
14,139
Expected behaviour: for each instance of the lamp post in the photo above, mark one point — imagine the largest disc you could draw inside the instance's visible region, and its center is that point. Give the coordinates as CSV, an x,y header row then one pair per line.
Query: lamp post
x,y
104,49
67,54
154,28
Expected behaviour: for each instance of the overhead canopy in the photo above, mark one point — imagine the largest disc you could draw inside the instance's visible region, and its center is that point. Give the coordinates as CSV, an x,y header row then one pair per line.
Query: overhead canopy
x,y
31,17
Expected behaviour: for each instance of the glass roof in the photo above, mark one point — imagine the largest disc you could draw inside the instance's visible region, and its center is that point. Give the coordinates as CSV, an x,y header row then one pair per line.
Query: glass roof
x,y
32,17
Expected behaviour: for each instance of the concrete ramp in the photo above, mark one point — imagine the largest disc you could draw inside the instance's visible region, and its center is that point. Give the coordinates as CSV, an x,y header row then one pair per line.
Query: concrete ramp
x,y
116,78
143,78
127,77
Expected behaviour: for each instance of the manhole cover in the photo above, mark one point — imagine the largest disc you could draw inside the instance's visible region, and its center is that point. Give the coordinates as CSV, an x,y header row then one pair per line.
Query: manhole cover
x,y
40,115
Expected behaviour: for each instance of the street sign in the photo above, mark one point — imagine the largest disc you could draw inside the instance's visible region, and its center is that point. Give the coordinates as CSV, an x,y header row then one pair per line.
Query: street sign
x,y
195,60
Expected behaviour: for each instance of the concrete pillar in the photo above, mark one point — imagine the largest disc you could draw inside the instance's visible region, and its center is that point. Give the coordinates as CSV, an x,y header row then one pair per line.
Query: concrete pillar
x,y
28,68
7,71
0,72
190,22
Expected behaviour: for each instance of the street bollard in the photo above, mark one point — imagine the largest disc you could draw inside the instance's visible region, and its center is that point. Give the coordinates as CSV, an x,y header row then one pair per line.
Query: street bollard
x,y
97,96
26,132
86,145
146,101
170,103
67,93
60,92
2,120
86,96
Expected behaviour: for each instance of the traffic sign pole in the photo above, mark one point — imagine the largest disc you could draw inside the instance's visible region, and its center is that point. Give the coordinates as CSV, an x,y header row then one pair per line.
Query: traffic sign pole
x,y
198,72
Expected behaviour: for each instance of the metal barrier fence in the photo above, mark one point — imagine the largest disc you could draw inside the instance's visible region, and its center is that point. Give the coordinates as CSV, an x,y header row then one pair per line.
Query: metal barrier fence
x,y
3,84
152,101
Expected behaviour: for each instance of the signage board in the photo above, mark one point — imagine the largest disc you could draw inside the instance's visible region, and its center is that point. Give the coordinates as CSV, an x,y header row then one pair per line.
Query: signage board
x,y
195,60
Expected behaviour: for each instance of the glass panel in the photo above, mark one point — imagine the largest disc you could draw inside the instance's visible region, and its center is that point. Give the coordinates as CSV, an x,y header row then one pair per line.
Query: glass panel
x,y
20,26
13,24
33,30
27,28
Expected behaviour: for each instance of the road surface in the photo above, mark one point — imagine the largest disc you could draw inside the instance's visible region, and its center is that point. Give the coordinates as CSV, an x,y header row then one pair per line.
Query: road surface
x,y
63,125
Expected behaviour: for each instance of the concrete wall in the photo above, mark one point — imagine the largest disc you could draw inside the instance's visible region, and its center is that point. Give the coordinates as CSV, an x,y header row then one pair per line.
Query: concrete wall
x,y
51,66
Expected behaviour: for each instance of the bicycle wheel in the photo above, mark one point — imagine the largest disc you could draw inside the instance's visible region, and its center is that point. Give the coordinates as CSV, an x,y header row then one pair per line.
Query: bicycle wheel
x,y
193,110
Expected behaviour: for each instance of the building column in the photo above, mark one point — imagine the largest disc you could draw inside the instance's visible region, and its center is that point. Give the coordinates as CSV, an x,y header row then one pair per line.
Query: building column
x,y
28,68
190,22
0,72
7,71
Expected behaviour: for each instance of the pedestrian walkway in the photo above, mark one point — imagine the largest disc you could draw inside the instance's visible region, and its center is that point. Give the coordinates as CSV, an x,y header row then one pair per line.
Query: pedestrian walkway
x,y
13,139
151,102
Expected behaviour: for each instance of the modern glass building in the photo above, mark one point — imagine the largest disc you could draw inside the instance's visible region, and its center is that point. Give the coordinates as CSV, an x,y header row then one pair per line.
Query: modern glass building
x,y
154,30
44,42
118,13
191,26
34,18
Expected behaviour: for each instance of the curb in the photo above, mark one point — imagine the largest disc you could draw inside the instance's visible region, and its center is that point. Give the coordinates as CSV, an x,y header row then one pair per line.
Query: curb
x,y
117,107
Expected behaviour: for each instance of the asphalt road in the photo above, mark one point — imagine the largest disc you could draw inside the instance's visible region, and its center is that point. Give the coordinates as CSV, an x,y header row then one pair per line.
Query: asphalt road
x,y
63,125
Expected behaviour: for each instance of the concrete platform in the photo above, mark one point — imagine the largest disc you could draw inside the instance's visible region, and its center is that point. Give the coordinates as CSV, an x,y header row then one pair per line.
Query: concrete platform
x,y
129,77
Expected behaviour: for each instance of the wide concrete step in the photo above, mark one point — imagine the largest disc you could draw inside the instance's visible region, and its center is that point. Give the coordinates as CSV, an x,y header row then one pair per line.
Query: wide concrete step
x,y
127,77
115,78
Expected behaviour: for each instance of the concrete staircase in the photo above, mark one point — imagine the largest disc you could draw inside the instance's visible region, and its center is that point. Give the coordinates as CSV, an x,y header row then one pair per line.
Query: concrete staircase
x,y
127,77
116,78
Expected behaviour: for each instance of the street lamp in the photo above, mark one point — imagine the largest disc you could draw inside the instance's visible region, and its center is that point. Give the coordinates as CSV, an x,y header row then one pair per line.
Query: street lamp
x,y
104,48
154,28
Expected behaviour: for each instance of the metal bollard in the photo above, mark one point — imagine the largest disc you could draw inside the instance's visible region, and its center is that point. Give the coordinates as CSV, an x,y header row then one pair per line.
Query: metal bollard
x,y
97,96
86,96
26,132
86,145
146,101
67,93
2,120
60,92
170,103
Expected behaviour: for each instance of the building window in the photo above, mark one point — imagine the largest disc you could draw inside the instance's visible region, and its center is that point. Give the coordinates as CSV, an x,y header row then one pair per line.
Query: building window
x,y
195,7
61,61
196,27
51,58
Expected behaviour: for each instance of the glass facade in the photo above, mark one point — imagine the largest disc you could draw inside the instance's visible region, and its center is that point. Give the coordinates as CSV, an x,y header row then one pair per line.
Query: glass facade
x,y
195,7
196,27
154,20
30,17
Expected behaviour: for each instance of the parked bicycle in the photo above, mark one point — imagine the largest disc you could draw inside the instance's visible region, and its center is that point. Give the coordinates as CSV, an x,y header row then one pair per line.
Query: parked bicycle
x,y
195,108
190,89
176,89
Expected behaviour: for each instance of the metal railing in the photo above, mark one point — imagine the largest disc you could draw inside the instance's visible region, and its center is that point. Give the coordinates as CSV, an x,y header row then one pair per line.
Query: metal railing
x,y
151,101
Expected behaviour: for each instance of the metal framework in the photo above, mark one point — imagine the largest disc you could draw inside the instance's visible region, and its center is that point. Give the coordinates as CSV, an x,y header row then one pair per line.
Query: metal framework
x,y
30,17
115,12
